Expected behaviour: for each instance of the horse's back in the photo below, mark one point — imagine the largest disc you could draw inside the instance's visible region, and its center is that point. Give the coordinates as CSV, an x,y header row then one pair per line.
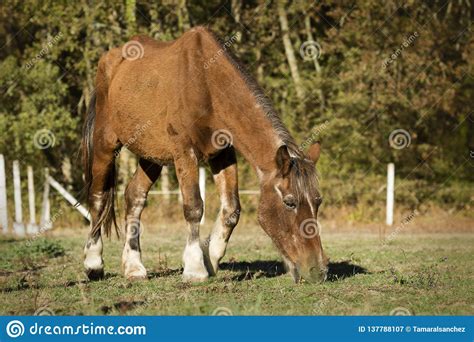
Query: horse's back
x,y
149,41
159,90
143,53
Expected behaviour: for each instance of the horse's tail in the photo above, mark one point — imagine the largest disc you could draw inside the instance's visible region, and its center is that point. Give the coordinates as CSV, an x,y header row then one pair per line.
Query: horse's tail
x,y
107,215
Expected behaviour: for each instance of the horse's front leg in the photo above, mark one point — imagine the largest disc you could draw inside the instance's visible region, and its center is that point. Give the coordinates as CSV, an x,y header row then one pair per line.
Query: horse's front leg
x,y
187,171
135,196
224,171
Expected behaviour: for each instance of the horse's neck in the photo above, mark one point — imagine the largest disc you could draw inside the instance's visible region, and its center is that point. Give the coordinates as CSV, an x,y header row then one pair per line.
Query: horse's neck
x,y
253,134
238,110
256,140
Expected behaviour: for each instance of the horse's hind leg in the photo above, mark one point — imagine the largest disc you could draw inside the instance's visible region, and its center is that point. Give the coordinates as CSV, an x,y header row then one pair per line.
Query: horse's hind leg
x,y
224,171
100,198
135,195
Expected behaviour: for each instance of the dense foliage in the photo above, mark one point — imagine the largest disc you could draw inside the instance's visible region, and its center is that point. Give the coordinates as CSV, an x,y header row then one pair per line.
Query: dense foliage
x,y
376,66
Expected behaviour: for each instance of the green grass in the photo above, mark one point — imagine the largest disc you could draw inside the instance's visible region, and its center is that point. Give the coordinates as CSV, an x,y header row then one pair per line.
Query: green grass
x,y
426,274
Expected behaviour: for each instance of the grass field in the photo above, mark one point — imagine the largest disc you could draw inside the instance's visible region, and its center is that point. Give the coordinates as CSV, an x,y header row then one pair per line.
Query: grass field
x,y
419,273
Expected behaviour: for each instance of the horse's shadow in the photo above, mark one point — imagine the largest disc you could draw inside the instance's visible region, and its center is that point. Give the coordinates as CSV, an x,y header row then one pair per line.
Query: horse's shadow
x,y
254,269
273,268
164,273
344,269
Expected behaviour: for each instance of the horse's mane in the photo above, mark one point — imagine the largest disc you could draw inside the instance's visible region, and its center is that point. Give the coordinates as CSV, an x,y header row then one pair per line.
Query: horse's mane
x,y
304,178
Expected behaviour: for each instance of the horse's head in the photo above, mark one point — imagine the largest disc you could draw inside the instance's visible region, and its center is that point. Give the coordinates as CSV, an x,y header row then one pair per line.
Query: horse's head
x,y
288,213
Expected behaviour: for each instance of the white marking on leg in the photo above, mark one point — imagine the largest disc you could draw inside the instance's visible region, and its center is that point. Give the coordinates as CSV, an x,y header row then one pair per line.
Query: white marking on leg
x,y
93,249
97,202
193,156
93,255
193,257
217,242
222,230
132,263
131,257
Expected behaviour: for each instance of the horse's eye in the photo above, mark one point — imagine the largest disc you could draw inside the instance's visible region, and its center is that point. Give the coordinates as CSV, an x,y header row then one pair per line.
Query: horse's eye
x,y
319,200
290,202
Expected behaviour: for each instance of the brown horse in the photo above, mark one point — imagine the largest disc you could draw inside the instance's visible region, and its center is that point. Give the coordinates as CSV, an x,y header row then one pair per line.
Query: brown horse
x,y
180,103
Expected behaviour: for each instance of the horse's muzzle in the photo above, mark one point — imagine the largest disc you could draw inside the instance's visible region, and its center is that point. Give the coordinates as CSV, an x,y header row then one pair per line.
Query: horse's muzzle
x,y
314,274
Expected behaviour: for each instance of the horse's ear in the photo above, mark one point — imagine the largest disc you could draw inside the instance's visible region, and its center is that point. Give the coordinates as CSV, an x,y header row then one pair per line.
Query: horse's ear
x,y
314,152
283,160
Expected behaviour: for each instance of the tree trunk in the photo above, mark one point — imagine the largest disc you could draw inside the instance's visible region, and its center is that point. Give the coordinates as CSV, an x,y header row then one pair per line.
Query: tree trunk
x,y
309,34
183,16
289,51
317,67
130,18
236,8
89,20
66,169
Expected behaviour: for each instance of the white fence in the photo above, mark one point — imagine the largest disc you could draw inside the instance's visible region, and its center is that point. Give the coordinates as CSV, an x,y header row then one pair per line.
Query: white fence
x,y
390,194
46,222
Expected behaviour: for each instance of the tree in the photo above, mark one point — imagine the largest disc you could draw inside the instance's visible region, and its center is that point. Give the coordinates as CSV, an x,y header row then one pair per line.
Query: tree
x,y
290,53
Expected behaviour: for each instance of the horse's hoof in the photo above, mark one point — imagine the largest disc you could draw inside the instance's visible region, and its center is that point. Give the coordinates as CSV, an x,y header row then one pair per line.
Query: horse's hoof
x,y
136,275
191,277
137,278
135,272
95,274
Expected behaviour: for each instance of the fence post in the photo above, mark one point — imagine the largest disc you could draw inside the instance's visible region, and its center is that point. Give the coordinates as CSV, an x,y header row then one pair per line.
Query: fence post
x,y
45,206
32,227
18,225
202,190
3,197
180,195
390,193
165,183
